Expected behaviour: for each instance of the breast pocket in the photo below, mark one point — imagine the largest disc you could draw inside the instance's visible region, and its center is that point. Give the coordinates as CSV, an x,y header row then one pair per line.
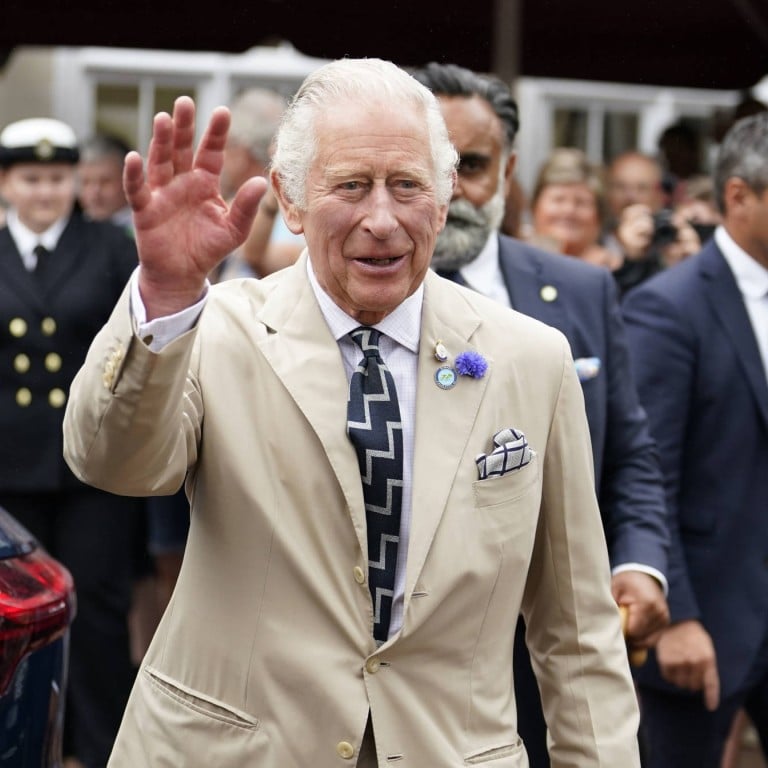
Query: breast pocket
x,y
508,488
508,505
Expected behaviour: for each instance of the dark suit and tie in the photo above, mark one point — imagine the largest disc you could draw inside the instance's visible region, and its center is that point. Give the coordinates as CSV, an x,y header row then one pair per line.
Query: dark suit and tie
x,y
698,334
702,378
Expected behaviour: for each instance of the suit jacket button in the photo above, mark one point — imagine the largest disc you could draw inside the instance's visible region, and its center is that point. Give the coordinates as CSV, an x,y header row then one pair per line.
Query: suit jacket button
x,y
359,574
373,665
345,750
23,397
48,326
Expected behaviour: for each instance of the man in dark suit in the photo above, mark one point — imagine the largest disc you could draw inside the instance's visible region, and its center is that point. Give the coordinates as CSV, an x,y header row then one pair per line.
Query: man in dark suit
x,y
59,277
698,335
579,300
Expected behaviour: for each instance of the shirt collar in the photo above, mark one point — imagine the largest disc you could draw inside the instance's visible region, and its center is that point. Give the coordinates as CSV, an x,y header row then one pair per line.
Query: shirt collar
x,y
751,277
402,325
26,240
482,272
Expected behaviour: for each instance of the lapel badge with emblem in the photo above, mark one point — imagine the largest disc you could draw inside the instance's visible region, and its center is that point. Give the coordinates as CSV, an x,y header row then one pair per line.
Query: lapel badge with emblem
x,y
548,293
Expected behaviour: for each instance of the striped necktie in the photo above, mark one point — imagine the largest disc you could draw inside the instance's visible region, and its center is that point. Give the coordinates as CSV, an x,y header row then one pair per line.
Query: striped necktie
x,y
375,429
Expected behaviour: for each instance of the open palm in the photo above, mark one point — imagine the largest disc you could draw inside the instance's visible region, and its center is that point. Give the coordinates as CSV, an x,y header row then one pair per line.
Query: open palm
x,y
183,226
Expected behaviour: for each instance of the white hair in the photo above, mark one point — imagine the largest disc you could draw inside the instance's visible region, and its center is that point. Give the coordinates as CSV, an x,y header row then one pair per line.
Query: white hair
x,y
373,81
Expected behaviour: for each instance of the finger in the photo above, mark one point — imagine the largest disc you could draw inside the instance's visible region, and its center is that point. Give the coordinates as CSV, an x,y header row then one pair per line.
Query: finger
x,y
245,204
183,134
711,687
136,190
210,153
160,154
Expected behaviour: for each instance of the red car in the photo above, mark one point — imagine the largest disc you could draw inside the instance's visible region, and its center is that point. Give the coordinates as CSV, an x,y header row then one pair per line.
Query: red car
x,y
37,606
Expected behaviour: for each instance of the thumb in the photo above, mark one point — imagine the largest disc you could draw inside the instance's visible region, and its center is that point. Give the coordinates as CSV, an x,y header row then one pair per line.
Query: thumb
x,y
246,202
711,687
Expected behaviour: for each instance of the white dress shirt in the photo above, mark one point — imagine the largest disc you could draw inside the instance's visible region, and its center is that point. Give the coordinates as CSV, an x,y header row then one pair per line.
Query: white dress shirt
x,y
399,346
484,274
752,280
26,240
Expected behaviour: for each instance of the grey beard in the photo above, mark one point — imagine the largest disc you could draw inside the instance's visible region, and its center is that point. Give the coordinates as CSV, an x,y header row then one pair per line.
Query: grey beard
x,y
466,232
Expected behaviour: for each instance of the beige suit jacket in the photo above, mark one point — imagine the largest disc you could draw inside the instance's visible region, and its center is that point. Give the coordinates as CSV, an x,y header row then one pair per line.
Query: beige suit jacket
x,y
265,656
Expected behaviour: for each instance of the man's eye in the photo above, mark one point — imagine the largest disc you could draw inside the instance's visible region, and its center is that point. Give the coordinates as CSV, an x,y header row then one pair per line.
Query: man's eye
x,y
468,165
350,185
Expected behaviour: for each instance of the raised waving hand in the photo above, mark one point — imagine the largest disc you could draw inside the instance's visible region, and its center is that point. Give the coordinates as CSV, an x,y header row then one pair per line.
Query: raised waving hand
x,y
183,226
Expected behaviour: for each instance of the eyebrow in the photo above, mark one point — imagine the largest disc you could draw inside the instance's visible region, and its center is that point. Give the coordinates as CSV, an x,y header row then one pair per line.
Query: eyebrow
x,y
476,157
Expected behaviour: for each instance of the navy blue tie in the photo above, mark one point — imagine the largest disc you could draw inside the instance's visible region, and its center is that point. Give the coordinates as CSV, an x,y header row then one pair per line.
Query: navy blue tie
x,y
43,257
375,429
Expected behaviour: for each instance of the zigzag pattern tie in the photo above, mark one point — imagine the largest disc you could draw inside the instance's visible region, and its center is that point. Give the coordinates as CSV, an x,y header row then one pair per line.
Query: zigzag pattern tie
x,y
374,427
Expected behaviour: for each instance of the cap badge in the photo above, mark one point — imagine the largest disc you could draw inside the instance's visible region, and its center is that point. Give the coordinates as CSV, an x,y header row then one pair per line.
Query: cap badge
x,y
44,150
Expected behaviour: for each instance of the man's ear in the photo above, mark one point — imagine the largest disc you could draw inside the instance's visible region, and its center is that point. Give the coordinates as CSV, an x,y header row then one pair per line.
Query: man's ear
x,y
509,173
291,213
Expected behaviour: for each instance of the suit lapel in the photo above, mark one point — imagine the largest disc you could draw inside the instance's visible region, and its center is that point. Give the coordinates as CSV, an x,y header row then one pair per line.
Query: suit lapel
x,y
306,358
531,290
444,418
16,275
727,303
67,258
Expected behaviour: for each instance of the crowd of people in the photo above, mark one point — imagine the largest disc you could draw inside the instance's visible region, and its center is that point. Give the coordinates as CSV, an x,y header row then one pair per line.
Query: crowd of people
x,y
183,440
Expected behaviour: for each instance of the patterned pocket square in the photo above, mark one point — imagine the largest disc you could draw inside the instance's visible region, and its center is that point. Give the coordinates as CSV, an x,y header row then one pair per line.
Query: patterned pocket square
x,y
587,367
511,453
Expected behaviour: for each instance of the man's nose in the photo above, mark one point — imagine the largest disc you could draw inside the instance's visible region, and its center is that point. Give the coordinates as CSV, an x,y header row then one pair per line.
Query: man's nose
x,y
381,219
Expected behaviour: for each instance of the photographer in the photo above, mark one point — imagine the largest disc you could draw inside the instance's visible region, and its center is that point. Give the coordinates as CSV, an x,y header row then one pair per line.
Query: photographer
x,y
651,242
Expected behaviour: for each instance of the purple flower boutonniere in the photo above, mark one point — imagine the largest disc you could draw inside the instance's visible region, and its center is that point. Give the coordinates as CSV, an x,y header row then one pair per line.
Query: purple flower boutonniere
x,y
471,364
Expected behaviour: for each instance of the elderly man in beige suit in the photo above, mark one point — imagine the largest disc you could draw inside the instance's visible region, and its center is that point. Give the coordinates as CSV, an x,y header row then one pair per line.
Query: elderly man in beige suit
x,y
282,647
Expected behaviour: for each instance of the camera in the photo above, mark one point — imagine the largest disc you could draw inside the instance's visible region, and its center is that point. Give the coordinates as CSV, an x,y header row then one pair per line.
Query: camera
x,y
664,229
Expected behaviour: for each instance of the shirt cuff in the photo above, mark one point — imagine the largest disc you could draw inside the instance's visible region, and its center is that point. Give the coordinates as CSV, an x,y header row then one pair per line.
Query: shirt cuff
x,y
658,575
161,331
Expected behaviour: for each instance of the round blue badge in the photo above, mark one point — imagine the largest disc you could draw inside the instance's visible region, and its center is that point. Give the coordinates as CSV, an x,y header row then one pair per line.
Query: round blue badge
x,y
445,377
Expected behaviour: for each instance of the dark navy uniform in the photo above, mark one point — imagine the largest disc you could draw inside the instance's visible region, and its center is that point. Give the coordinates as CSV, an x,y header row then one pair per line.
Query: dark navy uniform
x,y
47,321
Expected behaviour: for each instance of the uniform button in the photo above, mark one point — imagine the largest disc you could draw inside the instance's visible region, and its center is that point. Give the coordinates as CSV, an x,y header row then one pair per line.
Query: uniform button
x,y
21,363
23,397
373,665
17,327
345,750
52,362
48,326
359,574
56,398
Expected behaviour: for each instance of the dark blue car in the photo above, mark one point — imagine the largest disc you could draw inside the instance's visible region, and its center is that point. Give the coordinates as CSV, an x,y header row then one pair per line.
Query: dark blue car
x,y
37,606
